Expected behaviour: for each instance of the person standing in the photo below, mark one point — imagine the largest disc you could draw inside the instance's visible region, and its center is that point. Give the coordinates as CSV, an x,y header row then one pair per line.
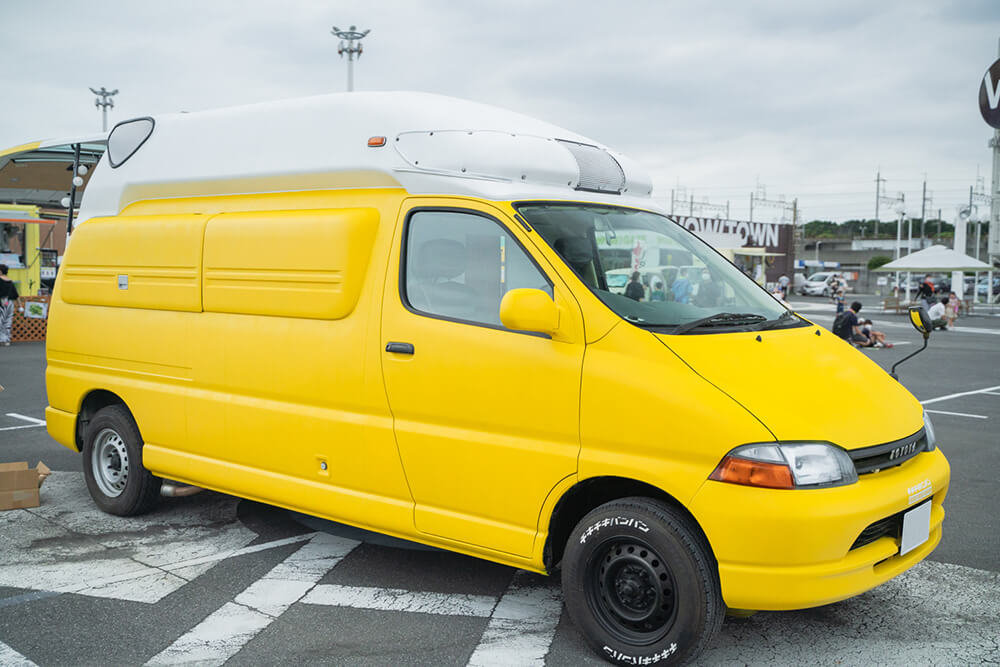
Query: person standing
x,y
837,292
925,292
634,289
682,288
783,283
951,309
8,297
657,291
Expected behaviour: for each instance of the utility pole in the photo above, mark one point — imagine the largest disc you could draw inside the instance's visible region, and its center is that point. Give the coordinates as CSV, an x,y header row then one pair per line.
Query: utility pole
x,y
899,234
751,207
980,197
993,239
923,212
104,102
965,223
878,185
347,45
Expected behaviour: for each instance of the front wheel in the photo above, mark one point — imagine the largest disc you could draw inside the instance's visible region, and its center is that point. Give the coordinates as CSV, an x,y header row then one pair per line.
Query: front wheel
x,y
641,584
112,464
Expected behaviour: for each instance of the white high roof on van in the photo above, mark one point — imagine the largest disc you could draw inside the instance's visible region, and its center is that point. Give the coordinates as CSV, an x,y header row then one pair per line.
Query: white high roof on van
x,y
433,145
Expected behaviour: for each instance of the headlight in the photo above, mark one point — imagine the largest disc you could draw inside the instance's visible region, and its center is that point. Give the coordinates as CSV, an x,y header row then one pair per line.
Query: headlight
x,y
787,466
929,433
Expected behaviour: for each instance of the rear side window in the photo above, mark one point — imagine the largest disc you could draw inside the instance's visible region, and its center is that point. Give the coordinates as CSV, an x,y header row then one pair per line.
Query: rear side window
x,y
458,266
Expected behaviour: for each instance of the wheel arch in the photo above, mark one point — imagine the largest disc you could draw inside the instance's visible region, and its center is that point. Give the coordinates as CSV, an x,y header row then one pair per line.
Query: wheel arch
x,y
586,495
94,400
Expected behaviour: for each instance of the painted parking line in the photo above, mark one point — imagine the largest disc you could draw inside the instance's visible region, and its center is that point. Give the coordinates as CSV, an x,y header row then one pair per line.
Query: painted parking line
x,y
227,630
523,624
959,394
957,414
11,658
32,422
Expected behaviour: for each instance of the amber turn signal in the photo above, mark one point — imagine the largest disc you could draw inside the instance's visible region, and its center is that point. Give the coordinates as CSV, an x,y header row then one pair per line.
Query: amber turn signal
x,y
753,473
375,142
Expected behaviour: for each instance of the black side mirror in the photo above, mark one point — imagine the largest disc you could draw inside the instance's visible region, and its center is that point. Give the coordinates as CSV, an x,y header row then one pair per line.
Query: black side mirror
x,y
920,320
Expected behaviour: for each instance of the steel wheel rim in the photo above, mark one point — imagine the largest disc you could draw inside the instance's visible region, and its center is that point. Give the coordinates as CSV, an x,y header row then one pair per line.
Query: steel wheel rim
x,y
631,591
109,463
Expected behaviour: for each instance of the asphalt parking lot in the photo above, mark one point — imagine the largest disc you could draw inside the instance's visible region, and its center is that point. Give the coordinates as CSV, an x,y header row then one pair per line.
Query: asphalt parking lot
x,y
213,579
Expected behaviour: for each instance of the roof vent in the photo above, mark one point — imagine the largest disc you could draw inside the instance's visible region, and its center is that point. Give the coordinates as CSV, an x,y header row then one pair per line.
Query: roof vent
x,y
599,172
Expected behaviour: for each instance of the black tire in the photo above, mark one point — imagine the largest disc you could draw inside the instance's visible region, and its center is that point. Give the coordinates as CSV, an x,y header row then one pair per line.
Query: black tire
x,y
641,584
112,464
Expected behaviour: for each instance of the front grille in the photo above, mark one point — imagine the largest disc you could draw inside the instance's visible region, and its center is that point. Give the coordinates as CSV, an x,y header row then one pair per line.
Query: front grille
x,y
890,454
891,526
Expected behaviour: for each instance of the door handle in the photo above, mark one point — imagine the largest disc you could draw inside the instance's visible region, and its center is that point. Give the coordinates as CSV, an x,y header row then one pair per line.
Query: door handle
x,y
399,348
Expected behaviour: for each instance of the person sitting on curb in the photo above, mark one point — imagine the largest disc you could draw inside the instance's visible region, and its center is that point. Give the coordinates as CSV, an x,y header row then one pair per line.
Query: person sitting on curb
x,y
875,338
846,326
937,314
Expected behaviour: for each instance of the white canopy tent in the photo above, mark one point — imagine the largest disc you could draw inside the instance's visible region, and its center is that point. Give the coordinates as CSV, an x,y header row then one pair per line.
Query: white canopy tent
x,y
938,259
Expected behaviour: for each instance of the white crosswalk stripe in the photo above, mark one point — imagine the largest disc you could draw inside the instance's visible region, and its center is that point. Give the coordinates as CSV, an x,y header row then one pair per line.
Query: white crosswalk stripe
x,y
228,629
392,599
522,626
11,658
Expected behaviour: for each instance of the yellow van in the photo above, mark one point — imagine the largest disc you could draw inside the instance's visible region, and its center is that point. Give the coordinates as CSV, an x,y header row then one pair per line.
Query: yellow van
x,y
392,310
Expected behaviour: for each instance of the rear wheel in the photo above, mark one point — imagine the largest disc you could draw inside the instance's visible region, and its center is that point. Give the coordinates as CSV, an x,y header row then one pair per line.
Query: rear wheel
x,y
641,584
112,464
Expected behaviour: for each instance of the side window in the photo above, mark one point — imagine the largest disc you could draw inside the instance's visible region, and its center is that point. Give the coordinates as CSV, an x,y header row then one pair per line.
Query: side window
x,y
460,265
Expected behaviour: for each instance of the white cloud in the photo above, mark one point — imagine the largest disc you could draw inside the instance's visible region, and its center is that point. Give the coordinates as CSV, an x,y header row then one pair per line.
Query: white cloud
x,y
810,98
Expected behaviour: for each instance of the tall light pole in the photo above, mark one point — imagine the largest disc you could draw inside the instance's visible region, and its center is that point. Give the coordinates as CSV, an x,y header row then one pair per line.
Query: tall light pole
x,y
104,101
350,43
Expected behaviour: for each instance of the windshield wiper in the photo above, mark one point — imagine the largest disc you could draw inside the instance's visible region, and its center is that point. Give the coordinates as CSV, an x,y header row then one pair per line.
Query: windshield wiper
x,y
781,319
721,320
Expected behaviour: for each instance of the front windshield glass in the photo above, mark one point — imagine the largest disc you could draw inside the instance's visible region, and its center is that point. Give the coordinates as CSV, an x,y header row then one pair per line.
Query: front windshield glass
x,y
649,270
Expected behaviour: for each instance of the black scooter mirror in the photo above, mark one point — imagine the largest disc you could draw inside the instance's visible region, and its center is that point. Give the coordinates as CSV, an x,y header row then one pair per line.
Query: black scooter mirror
x,y
921,321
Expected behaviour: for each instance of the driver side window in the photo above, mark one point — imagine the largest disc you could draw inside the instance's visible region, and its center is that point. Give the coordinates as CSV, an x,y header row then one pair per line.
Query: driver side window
x,y
459,266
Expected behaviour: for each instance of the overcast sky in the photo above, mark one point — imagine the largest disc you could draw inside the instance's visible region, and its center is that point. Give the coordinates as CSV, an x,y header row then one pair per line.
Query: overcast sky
x,y
807,99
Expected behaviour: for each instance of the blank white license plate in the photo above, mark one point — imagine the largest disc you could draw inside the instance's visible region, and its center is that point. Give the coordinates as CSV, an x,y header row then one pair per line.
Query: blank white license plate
x,y
916,528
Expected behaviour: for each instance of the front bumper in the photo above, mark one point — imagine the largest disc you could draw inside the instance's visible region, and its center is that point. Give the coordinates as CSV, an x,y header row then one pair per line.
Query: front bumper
x,y
792,549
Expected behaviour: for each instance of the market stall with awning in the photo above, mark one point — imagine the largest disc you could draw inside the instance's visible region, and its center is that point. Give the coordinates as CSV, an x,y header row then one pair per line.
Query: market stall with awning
x,y
41,184
938,259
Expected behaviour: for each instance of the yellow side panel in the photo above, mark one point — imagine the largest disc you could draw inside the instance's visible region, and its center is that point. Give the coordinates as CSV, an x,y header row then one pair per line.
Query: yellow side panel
x,y
135,262
142,356
288,263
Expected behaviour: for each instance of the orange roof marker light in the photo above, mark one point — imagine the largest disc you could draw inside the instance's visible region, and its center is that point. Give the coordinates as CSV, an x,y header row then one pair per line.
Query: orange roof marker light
x,y
376,142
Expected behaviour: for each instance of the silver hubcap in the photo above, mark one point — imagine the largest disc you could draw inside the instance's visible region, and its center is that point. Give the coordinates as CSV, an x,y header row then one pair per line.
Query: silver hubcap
x,y
110,463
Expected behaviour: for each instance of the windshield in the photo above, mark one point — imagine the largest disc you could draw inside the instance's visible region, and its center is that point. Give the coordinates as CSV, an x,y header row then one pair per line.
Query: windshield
x,y
818,277
649,270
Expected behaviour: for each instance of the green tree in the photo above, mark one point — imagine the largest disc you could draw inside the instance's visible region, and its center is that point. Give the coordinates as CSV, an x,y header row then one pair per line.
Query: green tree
x,y
877,261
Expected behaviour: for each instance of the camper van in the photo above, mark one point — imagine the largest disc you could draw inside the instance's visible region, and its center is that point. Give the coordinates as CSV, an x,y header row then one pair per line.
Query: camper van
x,y
391,310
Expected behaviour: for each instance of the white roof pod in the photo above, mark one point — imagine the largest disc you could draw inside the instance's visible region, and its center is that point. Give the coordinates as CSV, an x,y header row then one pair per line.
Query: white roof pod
x,y
434,145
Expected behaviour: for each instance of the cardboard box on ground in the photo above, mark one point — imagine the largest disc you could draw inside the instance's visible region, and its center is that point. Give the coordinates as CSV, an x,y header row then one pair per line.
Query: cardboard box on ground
x,y
19,484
